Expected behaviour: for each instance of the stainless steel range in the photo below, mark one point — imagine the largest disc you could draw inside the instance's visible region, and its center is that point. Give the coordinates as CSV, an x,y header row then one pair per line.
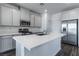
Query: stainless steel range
x,y
24,31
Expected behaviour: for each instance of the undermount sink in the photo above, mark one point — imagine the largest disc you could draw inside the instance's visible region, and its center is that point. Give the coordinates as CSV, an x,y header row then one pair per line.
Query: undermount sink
x,y
41,34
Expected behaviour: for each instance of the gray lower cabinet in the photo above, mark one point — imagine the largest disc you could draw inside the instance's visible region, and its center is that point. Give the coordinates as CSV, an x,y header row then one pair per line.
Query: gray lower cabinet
x,y
13,44
6,43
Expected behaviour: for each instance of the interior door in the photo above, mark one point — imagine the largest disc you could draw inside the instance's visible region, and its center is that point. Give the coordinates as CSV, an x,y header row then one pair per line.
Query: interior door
x,y
72,32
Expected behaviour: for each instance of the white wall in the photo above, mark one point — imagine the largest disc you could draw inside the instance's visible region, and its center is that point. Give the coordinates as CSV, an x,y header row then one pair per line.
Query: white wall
x,y
56,22
51,23
71,14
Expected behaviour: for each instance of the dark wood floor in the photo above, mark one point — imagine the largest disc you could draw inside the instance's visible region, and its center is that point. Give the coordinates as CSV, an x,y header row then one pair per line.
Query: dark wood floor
x,y
67,50
70,50
9,53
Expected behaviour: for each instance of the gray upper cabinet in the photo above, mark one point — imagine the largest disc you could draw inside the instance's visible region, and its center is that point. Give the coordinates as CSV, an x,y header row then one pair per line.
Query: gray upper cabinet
x,y
32,19
24,14
35,19
38,21
12,16
9,16
0,15
16,17
6,15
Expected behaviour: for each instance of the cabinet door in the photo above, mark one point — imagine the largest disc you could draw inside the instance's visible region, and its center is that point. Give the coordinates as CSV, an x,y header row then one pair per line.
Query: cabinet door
x,y
38,21
16,17
13,44
6,16
6,44
0,15
35,19
24,14
32,21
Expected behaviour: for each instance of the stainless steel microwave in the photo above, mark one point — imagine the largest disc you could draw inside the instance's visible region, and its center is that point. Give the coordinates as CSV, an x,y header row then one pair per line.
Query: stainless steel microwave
x,y
24,23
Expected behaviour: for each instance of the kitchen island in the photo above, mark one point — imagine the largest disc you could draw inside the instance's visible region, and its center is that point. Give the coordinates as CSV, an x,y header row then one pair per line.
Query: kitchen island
x,y
35,45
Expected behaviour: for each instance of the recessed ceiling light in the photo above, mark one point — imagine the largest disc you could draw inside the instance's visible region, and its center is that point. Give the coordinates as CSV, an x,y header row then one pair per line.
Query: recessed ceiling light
x,y
68,3
46,10
42,4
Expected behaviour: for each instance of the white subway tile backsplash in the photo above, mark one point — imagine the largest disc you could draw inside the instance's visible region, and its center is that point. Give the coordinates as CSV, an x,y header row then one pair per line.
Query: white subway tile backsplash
x,y
7,30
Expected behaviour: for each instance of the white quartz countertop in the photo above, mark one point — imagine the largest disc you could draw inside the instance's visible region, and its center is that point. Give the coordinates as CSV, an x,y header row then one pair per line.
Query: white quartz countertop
x,y
31,41
8,34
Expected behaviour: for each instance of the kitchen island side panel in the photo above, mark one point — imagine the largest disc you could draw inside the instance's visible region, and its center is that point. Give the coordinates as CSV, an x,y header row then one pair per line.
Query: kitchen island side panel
x,y
50,48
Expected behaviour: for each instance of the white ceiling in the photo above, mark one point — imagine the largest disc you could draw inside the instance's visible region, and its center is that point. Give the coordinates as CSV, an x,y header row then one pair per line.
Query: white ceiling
x,y
51,7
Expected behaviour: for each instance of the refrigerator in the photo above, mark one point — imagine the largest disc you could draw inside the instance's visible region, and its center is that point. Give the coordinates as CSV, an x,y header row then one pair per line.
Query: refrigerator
x,y
70,28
